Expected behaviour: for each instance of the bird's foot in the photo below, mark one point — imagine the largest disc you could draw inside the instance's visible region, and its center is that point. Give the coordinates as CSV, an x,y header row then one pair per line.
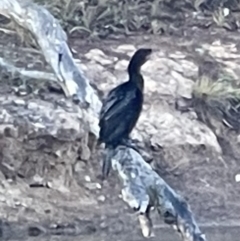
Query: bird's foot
x,y
130,143
133,141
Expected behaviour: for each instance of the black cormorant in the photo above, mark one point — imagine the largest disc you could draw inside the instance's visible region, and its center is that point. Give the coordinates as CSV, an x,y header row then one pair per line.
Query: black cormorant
x,y
122,107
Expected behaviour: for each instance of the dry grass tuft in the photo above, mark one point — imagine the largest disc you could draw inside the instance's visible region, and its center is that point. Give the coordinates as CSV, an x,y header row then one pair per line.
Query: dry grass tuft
x,y
216,94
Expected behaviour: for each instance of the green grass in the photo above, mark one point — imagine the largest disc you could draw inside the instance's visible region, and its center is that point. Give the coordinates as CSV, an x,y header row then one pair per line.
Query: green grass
x,y
103,17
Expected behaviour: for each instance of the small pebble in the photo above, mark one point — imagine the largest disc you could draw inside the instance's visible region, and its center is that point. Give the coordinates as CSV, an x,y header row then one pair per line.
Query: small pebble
x,y
87,179
237,178
58,153
53,225
125,48
19,102
79,166
17,203
90,186
37,178
177,55
39,125
94,52
49,184
32,106
103,225
101,198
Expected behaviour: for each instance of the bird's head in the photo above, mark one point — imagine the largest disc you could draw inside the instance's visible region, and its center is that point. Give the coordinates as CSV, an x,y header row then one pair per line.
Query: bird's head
x,y
142,55
139,58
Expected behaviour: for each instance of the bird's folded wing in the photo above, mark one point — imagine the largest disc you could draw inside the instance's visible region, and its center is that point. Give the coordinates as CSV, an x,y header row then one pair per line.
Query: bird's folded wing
x,y
116,103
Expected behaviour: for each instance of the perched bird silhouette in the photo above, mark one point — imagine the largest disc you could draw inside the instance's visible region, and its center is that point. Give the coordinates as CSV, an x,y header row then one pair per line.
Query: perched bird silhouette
x,y
121,109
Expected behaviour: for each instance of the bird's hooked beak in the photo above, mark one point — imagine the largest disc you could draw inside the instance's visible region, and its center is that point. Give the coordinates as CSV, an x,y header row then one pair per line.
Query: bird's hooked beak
x,y
149,56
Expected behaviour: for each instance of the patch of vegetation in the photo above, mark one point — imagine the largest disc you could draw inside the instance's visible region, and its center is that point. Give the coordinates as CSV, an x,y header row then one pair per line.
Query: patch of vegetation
x,y
104,17
212,5
216,96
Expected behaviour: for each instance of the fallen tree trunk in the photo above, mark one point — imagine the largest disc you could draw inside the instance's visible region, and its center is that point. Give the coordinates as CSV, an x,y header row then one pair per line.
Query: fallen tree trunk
x,y
143,188
52,41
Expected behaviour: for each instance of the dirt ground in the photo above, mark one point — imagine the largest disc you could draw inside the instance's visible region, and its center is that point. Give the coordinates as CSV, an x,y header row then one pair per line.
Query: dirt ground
x,y
183,150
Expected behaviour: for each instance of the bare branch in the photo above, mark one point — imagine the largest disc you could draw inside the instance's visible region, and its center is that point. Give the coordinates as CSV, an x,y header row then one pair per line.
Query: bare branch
x,y
8,68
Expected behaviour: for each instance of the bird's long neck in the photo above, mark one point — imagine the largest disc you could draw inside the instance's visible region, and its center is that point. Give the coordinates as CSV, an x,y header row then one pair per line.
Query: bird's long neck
x,y
134,73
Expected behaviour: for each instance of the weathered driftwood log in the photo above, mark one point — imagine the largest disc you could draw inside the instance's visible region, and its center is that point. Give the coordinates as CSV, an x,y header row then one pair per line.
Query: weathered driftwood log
x,y
143,188
52,41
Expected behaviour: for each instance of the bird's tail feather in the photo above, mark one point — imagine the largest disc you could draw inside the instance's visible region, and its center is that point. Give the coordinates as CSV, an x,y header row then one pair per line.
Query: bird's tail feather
x,y
99,142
